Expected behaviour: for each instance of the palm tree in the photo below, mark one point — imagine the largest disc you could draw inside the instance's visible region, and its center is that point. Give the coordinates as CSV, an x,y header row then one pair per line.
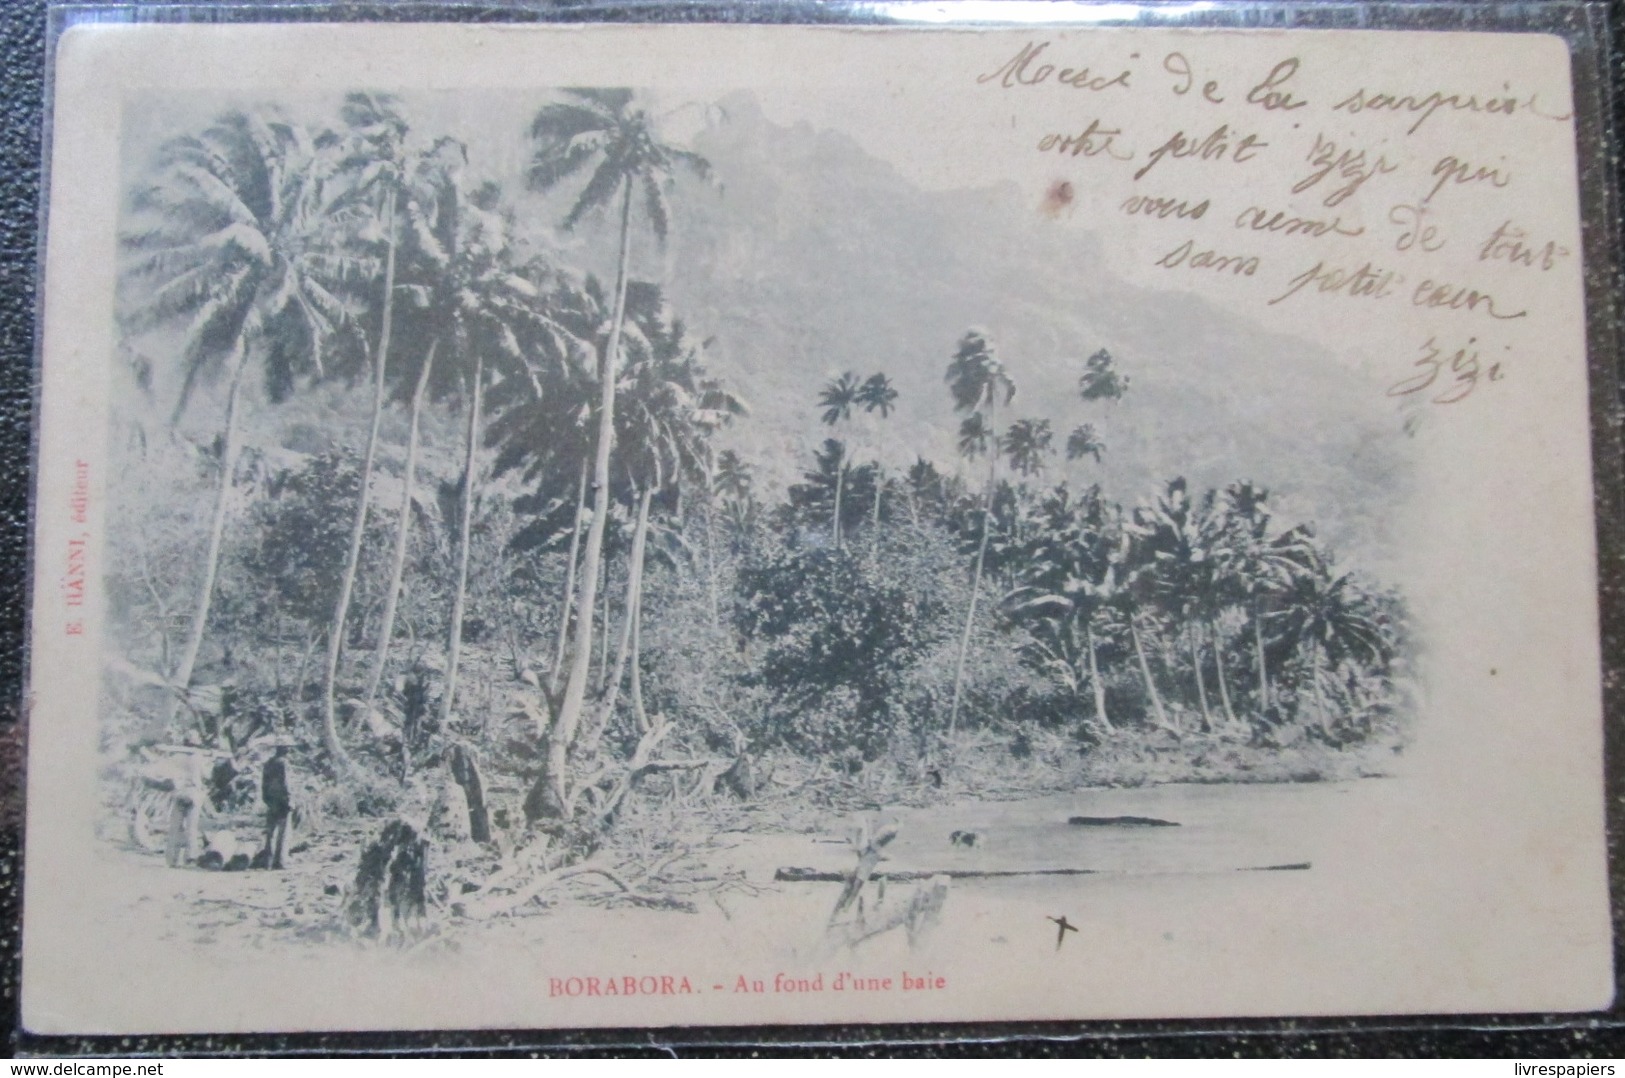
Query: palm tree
x,y
1214,536
598,125
228,249
977,382
382,165
1333,619
923,485
1067,582
734,478
837,399
481,313
1101,381
1139,566
1172,531
735,485
549,436
877,395
375,164
1254,568
492,309
1027,444
1084,442
669,410
976,437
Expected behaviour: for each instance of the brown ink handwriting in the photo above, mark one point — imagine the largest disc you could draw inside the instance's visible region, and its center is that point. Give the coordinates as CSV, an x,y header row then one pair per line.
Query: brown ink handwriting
x,y
1219,145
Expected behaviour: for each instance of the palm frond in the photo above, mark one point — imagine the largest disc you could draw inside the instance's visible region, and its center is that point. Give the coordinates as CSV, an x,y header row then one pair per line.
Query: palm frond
x,y
605,182
654,204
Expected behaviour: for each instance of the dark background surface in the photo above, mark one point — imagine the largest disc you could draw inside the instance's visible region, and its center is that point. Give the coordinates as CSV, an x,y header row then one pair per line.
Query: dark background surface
x,y
22,85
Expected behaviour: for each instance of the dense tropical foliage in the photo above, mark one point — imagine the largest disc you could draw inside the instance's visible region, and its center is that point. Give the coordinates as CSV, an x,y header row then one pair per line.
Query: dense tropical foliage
x,y
547,555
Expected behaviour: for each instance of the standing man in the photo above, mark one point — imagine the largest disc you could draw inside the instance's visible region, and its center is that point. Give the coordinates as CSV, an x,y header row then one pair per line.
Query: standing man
x,y
278,806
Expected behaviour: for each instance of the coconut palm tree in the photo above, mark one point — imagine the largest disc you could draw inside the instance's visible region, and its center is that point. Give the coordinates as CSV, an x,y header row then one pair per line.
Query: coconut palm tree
x,y
492,311
481,310
1084,442
1253,568
386,173
602,126
374,163
1138,569
1067,582
1333,619
1171,528
735,484
1027,445
1214,538
230,248
877,395
549,437
838,398
1100,381
669,410
978,384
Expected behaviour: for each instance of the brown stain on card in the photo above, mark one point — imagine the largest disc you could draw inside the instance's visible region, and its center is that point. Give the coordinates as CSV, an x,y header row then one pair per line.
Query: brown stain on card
x,y
1058,199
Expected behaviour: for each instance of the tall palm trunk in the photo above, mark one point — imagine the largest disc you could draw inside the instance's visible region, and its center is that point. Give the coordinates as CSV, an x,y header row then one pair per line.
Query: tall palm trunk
x,y
629,621
181,679
1321,712
358,529
634,690
874,517
840,482
1094,681
711,543
975,584
403,528
1193,638
634,587
1145,672
1224,683
1263,671
459,595
569,583
549,795
603,619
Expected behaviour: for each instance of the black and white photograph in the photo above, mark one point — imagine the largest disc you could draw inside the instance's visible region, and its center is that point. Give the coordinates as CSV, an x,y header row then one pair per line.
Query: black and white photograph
x,y
591,526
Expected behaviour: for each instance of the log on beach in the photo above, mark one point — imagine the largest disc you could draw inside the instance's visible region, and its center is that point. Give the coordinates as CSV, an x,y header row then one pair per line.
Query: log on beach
x,y
793,874
1119,821
814,875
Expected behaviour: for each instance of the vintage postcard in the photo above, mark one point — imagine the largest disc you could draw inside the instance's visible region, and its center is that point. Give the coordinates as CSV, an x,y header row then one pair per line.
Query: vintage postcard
x,y
707,525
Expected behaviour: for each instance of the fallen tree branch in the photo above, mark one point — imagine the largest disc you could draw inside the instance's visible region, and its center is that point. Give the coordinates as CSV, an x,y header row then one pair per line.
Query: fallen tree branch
x,y
493,906
679,765
661,902
635,769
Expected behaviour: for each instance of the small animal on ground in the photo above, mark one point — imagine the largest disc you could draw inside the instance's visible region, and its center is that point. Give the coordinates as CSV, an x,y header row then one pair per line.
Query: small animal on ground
x,y
967,839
